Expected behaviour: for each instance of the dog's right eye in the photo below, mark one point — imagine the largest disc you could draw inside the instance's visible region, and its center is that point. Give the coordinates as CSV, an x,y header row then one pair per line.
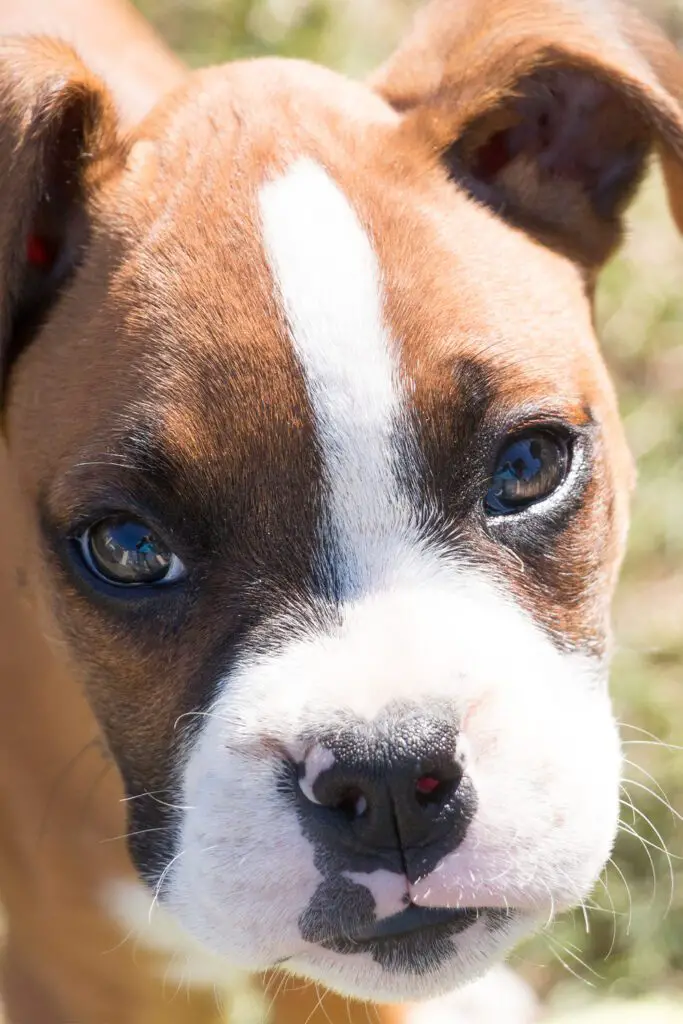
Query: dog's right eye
x,y
126,552
528,470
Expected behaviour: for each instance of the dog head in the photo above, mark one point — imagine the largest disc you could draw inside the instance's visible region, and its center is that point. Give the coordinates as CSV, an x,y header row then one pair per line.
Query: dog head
x,y
325,485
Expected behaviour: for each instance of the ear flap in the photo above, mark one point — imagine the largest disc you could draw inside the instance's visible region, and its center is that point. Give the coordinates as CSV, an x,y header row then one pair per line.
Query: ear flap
x,y
57,142
546,110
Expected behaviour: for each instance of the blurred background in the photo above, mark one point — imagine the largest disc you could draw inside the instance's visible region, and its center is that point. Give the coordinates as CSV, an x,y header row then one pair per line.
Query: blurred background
x,y
630,942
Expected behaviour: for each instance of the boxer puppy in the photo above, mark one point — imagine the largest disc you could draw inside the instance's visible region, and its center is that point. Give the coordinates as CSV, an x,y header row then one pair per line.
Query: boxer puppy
x,y
320,490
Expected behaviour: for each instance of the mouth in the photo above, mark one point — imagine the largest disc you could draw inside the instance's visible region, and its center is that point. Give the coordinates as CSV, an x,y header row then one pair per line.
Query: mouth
x,y
427,922
417,953
418,941
417,935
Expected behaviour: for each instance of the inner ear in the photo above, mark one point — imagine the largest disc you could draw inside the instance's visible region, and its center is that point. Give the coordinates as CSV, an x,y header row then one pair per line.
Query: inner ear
x,y
564,154
54,234
59,142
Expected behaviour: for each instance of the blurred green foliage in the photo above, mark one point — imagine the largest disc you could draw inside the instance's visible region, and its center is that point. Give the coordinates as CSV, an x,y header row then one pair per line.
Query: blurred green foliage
x,y
634,942
350,35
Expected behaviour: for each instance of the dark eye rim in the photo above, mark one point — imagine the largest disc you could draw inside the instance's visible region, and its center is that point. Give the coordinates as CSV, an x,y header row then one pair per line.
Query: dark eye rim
x,y
80,550
573,439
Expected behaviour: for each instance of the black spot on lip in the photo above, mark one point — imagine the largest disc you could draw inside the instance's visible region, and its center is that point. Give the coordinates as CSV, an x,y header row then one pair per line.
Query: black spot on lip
x,y
417,941
417,919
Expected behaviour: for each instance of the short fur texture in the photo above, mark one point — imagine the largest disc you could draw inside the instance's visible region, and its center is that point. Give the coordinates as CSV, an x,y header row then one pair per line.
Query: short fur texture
x,y
290,321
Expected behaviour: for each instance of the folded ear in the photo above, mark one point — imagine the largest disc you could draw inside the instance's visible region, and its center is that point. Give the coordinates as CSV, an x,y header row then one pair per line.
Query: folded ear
x,y
58,140
546,110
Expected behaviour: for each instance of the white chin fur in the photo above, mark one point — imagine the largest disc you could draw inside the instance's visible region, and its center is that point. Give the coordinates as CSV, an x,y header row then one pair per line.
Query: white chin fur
x,y
360,977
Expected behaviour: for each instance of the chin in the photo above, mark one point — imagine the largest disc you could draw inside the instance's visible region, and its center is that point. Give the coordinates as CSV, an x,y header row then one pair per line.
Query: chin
x,y
420,968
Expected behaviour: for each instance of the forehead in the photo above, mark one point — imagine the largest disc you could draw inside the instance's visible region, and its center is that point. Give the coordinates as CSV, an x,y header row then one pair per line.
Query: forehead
x,y
451,279
273,173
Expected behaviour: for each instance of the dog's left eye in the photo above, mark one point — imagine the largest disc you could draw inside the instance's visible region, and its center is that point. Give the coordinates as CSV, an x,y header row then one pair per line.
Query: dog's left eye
x,y
528,469
126,552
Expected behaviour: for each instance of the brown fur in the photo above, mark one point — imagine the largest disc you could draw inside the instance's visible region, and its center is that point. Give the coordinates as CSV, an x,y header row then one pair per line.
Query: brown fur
x,y
163,266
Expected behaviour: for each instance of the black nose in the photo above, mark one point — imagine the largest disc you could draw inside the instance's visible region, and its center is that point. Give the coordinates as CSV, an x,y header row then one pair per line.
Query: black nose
x,y
392,791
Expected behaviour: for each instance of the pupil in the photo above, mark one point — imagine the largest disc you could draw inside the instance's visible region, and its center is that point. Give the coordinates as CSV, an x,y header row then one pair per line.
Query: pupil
x,y
127,551
520,468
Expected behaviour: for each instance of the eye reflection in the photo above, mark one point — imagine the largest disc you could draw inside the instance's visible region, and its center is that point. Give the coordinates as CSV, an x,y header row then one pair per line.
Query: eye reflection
x,y
528,469
127,552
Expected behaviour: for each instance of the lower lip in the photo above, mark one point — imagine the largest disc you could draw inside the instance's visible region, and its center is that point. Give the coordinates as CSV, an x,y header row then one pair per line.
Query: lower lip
x,y
417,919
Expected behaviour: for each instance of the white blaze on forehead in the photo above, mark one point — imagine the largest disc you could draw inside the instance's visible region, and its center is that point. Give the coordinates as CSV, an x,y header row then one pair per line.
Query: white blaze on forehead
x,y
329,282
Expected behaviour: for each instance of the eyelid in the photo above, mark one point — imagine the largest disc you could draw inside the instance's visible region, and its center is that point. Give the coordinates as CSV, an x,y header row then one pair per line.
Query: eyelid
x,y
568,432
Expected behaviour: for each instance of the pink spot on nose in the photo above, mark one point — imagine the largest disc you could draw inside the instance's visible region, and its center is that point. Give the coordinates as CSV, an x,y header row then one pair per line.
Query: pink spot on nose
x,y
426,785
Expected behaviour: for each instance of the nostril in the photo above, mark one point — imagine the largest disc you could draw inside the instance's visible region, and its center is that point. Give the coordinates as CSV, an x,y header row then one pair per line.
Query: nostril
x,y
347,797
352,803
434,789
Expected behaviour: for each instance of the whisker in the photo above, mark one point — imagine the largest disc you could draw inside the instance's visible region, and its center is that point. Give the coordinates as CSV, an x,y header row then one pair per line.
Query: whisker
x,y
280,986
201,714
665,802
608,894
628,802
138,832
644,732
126,938
140,796
566,966
669,857
159,885
651,743
162,803
569,948
648,775
318,1005
623,878
623,827
113,462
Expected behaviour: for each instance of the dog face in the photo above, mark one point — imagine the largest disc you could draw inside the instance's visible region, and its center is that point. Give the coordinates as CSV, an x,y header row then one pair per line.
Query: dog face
x,y
326,486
